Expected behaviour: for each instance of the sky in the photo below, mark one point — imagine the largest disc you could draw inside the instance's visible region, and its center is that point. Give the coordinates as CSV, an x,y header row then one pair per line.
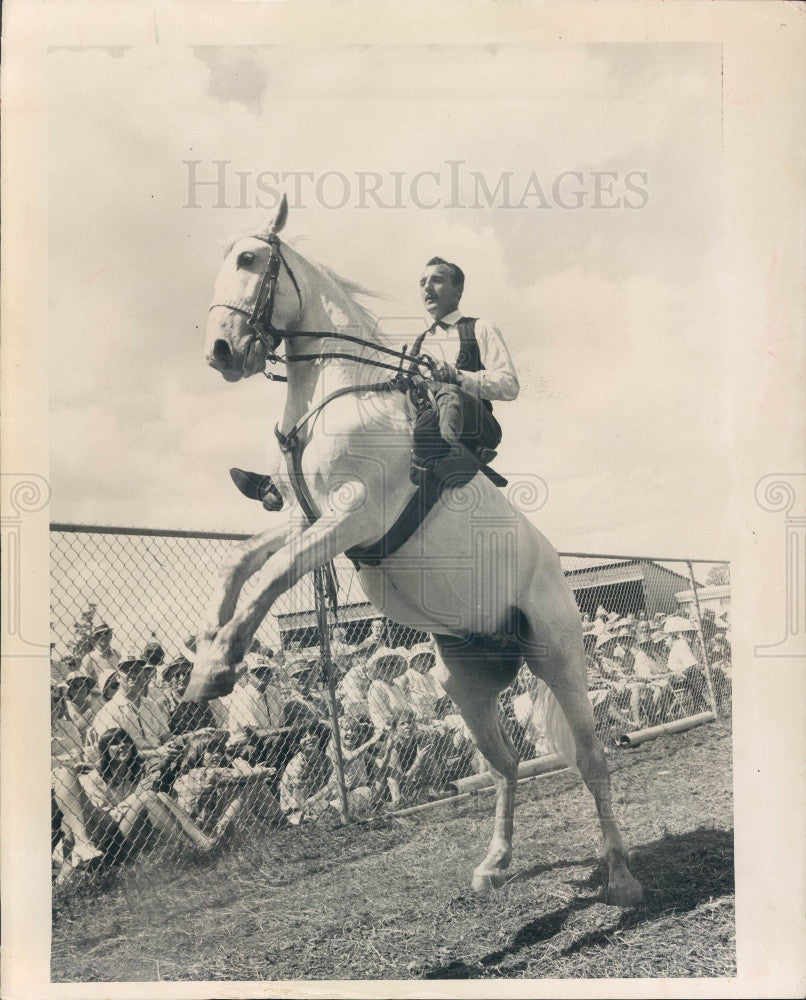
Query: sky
x,y
610,313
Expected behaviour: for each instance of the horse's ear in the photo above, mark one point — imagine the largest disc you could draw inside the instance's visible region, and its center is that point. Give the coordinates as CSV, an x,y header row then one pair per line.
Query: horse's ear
x,y
281,217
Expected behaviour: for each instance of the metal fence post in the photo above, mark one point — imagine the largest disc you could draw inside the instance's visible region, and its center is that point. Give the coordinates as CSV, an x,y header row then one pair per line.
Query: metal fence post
x,y
706,661
320,593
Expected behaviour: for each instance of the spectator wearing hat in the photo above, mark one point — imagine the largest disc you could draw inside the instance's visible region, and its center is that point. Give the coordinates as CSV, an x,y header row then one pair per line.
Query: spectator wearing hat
x,y
305,700
129,708
419,684
256,711
604,682
184,716
83,701
385,699
101,657
688,675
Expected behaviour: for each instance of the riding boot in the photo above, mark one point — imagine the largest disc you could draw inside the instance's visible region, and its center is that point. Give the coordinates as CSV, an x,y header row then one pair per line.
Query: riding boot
x,y
257,487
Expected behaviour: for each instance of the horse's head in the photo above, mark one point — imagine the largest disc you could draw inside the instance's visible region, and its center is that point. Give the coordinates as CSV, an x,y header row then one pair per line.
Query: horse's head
x,y
256,298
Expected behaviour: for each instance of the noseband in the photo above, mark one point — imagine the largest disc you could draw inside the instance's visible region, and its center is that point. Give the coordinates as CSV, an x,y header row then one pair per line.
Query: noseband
x,y
259,320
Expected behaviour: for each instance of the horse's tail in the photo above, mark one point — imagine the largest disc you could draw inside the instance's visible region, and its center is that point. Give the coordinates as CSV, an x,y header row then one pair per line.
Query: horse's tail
x,y
558,732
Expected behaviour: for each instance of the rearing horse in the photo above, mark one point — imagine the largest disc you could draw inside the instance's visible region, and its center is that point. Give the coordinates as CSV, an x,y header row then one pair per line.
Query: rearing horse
x,y
476,574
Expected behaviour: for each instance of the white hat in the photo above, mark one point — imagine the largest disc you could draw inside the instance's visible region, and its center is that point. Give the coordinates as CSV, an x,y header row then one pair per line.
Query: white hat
x,y
386,659
605,637
421,649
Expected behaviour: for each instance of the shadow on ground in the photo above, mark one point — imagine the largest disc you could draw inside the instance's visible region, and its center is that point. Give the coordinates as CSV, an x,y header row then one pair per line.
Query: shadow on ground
x,y
679,872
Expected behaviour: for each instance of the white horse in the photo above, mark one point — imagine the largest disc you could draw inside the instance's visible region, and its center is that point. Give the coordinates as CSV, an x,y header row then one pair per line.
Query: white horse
x,y
476,574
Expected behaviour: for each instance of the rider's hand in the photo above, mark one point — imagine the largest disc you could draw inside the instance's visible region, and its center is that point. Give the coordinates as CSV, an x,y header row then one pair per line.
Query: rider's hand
x,y
445,372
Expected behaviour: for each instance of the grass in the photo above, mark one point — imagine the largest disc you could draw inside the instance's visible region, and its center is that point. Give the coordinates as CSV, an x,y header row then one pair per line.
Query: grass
x,y
391,899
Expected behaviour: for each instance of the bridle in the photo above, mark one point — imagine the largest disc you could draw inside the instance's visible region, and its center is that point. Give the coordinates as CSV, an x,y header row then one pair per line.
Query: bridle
x,y
269,336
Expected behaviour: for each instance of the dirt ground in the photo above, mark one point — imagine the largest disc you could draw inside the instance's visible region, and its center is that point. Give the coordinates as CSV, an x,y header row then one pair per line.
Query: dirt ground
x,y
391,899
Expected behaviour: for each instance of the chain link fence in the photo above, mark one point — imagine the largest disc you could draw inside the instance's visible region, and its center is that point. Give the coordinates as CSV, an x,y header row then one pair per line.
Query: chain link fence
x,y
134,768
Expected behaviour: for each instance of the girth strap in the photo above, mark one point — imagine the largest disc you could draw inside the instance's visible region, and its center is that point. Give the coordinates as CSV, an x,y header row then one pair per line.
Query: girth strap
x,y
413,514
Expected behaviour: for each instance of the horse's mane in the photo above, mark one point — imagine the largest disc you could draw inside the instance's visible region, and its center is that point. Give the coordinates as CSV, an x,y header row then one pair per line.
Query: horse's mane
x,y
351,289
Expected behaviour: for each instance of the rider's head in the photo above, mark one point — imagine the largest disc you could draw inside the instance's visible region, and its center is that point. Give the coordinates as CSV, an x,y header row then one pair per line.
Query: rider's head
x,y
441,287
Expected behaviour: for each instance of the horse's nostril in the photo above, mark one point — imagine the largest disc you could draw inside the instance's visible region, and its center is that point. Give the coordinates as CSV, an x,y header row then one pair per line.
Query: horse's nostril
x,y
221,352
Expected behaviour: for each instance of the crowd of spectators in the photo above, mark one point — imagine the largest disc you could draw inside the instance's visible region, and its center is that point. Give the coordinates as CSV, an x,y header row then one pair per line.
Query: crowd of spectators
x,y
644,672
131,759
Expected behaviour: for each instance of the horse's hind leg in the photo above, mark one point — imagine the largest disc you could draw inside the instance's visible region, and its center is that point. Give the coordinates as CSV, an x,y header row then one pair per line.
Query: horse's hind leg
x,y
473,682
561,664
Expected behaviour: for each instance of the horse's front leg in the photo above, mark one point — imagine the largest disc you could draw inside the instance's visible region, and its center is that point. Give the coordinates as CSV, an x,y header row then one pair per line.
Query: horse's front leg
x,y
222,650
242,562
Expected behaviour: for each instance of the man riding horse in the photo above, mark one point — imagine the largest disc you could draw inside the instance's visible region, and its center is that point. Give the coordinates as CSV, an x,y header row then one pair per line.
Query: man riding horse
x,y
472,367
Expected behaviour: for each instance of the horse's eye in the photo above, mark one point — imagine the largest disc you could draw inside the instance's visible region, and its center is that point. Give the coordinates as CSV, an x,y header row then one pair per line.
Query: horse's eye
x,y
246,259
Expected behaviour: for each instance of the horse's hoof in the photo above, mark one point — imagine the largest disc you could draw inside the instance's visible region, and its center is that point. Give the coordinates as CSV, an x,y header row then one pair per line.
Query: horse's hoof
x,y
626,892
207,687
486,882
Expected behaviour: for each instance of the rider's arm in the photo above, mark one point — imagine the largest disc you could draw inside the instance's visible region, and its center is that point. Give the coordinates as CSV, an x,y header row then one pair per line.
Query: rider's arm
x,y
498,380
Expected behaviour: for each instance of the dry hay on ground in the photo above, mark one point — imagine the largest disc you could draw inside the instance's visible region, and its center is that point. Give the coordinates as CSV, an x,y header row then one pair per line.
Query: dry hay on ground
x,y
391,900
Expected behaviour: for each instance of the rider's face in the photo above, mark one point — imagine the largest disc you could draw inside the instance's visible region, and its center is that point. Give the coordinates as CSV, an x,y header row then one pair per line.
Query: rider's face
x,y
440,295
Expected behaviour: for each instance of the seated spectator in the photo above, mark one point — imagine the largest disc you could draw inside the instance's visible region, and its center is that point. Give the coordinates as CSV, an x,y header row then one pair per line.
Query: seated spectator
x,y
422,690
688,675
306,787
213,786
720,658
66,741
257,717
114,801
83,701
130,708
414,767
630,688
365,758
101,656
305,700
184,716
656,694
604,679
352,689
385,699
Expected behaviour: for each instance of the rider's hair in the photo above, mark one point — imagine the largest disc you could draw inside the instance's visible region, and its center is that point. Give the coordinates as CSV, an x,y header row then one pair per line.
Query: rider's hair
x,y
457,274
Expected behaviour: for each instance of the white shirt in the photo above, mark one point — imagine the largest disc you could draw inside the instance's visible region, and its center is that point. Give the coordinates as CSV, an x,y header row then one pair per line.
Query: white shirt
x,y
386,701
498,380
680,656
248,708
423,692
146,723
